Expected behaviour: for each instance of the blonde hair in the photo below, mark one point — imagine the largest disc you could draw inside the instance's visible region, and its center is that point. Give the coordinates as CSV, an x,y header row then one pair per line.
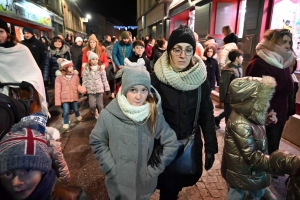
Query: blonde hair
x,y
153,114
276,35
228,29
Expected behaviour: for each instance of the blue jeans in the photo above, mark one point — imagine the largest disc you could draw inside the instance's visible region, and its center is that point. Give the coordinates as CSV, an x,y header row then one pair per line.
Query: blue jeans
x,y
236,194
66,110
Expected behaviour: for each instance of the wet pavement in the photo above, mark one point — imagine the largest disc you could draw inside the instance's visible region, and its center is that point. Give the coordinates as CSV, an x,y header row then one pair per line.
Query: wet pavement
x,y
85,171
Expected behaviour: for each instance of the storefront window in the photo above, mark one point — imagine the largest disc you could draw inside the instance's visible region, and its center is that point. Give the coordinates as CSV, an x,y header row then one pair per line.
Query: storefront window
x,y
19,33
286,14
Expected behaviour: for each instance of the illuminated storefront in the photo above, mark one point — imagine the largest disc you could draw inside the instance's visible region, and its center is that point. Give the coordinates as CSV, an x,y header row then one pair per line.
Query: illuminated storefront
x,y
20,14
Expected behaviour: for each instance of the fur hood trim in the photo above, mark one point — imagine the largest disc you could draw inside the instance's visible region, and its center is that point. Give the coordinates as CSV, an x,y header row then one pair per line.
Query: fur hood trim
x,y
59,73
250,96
52,133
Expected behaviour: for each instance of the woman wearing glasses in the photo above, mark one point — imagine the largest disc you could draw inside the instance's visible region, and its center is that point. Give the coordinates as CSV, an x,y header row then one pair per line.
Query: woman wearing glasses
x,y
275,57
178,75
138,48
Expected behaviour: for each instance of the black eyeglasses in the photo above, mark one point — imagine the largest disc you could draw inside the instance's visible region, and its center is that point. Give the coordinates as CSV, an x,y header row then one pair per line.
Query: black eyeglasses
x,y
187,51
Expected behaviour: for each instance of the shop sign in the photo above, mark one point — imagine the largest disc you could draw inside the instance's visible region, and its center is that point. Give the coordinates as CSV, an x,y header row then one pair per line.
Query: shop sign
x,y
25,10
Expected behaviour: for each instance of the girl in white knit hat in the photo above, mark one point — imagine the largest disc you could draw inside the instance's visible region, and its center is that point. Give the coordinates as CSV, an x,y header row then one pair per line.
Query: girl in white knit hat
x,y
95,81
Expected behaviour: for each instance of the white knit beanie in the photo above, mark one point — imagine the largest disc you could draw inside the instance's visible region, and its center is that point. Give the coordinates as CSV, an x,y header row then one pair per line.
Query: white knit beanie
x,y
78,39
91,55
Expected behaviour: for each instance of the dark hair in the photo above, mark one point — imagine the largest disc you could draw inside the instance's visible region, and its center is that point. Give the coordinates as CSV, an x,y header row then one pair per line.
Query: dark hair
x,y
160,42
138,43
234,53
46,39
11,37
208,48
54,39
209,37
113,39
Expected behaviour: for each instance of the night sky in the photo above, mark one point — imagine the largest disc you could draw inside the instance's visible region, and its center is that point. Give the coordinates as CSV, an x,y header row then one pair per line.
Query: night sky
x,y
122,10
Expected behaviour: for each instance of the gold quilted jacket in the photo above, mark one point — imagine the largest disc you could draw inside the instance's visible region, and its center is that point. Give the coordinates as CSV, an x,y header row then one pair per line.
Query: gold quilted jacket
x,y
285,163
245,154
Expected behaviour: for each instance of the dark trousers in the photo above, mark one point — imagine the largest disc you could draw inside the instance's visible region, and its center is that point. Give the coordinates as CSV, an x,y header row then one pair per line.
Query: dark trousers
x,y
169,186
112,85
225,113
274,136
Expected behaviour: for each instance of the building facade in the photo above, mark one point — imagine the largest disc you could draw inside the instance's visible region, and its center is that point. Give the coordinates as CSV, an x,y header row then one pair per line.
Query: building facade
x,y
73,20
38,15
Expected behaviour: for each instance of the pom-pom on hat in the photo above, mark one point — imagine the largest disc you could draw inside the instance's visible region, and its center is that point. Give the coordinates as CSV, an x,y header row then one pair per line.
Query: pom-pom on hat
x,y
183,34
24,148
91,55
3,25
27,29
134,74
64,63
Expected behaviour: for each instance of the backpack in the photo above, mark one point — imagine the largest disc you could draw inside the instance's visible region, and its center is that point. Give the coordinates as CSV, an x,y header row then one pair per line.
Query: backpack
x,y
12,111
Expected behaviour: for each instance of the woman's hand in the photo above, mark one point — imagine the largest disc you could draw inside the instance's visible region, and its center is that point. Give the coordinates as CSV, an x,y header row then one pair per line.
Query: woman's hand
x,y
271,118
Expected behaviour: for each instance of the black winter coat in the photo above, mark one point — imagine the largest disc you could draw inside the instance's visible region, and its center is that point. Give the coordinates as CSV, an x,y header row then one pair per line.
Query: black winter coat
x,y
179,109
213,72
76,52
38,50
157,54
134,58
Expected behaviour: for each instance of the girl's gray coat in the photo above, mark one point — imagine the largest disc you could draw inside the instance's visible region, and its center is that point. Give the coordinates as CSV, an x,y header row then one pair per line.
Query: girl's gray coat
x,y
123,149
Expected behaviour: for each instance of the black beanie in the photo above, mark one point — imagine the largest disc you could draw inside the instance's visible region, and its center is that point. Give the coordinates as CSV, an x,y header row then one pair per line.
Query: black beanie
x,y
3,25
27,29
183,34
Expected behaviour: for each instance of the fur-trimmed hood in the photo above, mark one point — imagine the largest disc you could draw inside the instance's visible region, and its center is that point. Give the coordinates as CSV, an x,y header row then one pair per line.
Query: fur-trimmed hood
x,y
59,73
250,97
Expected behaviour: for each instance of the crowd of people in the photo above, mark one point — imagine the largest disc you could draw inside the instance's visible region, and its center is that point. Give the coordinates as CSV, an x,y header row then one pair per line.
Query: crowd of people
x,y
161,94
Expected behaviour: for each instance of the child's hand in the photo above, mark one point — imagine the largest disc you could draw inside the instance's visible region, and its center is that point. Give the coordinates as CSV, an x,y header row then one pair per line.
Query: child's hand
x,y
102,67
271,117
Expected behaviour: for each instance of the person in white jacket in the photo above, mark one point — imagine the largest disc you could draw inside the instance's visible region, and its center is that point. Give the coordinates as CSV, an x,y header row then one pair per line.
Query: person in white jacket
x,y
229,45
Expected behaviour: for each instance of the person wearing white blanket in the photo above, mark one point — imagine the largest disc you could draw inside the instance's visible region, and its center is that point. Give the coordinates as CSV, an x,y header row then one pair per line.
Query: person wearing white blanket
x,y
17,65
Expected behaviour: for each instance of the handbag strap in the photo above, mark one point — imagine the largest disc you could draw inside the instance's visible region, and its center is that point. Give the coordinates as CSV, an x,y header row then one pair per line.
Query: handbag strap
x,y
198,107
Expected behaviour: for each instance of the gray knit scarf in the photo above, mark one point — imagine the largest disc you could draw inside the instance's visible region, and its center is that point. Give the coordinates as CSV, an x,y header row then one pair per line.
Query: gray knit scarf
x,y
185,80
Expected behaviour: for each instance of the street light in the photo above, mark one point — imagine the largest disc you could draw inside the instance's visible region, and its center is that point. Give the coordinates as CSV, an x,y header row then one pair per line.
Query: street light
x,y
88,16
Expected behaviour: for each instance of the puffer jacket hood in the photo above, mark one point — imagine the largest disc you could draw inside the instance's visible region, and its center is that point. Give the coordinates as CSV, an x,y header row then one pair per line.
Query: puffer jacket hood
x,y
115,109
250,97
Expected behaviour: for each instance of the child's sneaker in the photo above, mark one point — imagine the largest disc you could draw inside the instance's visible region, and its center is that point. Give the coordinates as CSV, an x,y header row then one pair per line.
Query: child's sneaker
x,y
79,119
66,128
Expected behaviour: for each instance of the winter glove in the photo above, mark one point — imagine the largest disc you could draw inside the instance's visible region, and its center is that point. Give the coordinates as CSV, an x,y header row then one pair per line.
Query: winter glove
x,y
155,160
209,160
107,93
